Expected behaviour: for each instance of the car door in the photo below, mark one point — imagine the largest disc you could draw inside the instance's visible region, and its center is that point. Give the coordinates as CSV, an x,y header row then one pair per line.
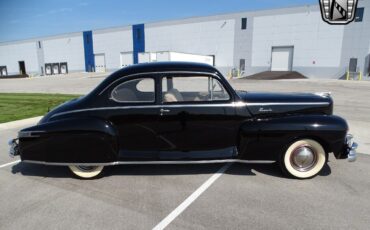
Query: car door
x,y
197,118
136,117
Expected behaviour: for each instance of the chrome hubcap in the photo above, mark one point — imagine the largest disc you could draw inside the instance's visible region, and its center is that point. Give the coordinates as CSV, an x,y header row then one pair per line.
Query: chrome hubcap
x,y
303,158
86,168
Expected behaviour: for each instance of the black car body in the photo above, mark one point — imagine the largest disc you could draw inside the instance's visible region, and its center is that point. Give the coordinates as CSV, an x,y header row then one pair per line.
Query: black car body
x,y
180,113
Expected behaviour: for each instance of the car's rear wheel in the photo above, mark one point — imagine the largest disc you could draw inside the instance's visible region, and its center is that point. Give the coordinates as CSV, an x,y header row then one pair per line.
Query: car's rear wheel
x,y
303,159
86,172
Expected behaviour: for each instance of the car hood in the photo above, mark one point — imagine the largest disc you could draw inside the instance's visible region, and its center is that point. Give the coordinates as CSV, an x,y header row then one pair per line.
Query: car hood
x,y
267,104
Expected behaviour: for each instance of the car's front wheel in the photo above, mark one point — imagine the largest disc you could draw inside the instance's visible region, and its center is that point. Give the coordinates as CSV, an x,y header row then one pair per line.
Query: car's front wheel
x,y
303,159
86,172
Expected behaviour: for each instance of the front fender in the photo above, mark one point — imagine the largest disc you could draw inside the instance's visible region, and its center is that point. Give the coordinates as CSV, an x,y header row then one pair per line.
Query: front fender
x,y
268,138
75,140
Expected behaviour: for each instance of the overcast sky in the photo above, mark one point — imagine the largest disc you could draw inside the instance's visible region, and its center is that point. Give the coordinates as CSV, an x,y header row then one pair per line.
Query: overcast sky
x,y
22,19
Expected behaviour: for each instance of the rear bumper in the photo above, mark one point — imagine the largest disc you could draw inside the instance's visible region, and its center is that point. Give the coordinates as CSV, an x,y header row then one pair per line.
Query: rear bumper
x,y
351,147
14,149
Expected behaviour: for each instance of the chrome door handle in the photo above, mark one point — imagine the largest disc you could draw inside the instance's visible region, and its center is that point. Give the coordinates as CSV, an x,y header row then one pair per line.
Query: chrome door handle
x,y
164,111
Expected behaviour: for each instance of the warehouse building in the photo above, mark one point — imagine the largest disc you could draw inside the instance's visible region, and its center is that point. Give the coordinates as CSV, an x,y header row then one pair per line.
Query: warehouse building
x,y
287,39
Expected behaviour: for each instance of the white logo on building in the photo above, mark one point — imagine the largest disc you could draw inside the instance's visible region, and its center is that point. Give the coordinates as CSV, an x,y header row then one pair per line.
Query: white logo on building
x,y
338,12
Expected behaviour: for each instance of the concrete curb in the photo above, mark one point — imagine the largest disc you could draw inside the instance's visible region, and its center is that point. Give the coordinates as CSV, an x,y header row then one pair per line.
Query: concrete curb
x,y
20,123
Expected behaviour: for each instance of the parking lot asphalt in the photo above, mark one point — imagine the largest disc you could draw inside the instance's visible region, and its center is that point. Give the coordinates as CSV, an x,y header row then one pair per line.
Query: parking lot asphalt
x,y
245,196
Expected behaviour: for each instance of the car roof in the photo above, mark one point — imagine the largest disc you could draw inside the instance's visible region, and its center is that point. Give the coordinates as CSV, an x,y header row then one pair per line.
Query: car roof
x,y
166,66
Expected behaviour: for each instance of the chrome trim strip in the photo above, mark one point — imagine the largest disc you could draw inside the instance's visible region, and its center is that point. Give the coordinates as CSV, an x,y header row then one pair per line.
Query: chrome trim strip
x,y
152,107
159,72
287,103
29,133
233,104
150,162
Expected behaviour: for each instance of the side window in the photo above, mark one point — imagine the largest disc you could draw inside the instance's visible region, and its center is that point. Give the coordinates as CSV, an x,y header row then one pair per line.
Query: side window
x,y
192,89
137,90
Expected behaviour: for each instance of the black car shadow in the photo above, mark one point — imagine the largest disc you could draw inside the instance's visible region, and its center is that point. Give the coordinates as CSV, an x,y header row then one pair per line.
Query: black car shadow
x,y
38,170
248,169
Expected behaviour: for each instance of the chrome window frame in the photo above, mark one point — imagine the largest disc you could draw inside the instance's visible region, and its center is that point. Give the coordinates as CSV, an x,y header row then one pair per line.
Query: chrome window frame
x,y
196,74
159,72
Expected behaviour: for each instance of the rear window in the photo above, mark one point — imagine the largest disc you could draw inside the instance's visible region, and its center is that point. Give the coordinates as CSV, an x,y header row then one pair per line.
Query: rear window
x,y
136,90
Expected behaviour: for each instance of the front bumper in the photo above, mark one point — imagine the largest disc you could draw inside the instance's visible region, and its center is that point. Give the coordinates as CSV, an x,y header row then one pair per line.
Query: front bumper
x,y
14,149
351,147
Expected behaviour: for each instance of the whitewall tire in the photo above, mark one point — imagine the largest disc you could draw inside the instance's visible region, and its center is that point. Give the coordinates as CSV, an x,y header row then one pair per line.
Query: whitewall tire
x,y
303,159
86,172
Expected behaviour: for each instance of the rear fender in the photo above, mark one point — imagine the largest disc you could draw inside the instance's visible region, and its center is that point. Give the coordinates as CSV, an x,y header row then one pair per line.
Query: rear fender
x,y
78,140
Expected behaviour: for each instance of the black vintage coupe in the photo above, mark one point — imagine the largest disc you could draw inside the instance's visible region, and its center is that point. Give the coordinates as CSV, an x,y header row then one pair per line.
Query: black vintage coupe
x,y
181,113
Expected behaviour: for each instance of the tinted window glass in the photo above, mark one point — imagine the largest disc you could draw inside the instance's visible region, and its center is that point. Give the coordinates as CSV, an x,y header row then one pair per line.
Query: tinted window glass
x,y
359,14
136,90
244,23
191,89
242,65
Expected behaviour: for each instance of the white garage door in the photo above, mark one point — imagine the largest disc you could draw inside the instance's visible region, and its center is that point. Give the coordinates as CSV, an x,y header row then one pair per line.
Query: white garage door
x,y
126,59
281,58
99,63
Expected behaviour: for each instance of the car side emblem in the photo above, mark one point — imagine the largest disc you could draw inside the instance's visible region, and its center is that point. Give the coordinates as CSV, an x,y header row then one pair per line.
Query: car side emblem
x,y
265,110
338,12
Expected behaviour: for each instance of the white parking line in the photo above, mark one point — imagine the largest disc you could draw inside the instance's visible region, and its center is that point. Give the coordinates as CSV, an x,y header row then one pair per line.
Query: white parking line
x,y
10,163
166,221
